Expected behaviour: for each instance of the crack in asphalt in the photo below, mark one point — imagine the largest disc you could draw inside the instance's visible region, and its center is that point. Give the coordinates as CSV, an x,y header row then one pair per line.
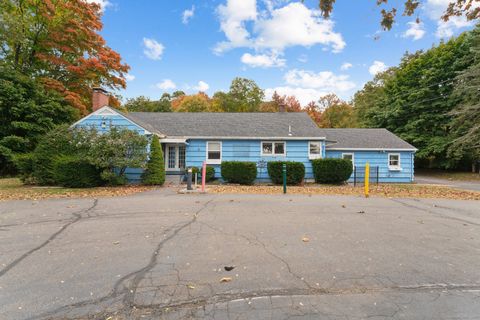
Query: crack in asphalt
x,y
436,213
120,288
77,216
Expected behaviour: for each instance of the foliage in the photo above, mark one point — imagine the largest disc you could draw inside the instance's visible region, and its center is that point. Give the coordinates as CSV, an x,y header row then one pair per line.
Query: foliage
x,y
53,145
295,172
144,104
466,121
210,175
154,173
75,172
336,113
239,172
7,165
115,151
58,42
331,170
199,102
27,111
455,8
246,95
414,100
24,163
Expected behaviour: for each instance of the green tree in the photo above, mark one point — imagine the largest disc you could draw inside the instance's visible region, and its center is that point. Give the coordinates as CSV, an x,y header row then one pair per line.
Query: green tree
x,y
246,95
336,113
115,151
155,171
27,112
144,104
199,102
466,121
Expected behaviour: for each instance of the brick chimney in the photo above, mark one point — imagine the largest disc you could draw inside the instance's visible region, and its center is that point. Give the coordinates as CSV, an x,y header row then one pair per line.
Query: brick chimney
x,y
99,98
282,107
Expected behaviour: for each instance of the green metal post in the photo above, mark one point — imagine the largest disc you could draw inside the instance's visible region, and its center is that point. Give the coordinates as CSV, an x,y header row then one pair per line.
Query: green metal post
x,y
284,173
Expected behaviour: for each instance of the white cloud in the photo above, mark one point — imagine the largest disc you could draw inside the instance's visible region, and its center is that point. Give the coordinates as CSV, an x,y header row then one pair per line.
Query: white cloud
x,y
103,3
377,67
345,66
166,85
129,77
188,14
262,60
416,31
304,95
303,58
445,29
153,49
202,86
324,80
278,28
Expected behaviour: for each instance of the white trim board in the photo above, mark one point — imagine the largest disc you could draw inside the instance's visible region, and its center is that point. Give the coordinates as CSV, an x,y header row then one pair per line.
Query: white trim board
x,y
370,149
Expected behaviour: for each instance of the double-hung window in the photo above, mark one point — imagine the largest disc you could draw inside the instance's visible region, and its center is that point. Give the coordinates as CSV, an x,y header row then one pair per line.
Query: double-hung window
x,y
214,152
394,161
274,149
349,156
314,150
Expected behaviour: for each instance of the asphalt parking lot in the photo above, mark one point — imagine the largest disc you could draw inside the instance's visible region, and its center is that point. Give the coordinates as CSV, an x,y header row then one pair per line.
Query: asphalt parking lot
x,y
159,255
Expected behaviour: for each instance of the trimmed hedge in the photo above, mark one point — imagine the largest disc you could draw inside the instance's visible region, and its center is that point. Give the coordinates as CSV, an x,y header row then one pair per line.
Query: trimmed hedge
x,y
210,176
239,172
24,164
73,172
331,170
295,172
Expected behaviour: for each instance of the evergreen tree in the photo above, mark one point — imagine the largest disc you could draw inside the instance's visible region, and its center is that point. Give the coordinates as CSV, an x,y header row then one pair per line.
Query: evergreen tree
x,y
155,172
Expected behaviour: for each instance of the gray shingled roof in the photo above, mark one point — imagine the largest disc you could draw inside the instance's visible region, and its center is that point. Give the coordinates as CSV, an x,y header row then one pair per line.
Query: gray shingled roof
x,y
364,138
248,125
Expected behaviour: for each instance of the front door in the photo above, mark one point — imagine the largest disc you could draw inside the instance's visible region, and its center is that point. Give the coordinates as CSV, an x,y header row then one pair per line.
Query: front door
x,y
174,157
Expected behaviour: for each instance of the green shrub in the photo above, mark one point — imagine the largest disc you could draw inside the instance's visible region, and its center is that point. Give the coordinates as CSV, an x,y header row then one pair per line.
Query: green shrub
x,y
154,174
210,176
239,172
295,172
74,172
24,164
332,170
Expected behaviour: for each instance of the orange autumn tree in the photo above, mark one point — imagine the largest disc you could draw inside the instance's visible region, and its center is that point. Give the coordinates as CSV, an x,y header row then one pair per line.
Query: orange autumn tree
x,y
58,43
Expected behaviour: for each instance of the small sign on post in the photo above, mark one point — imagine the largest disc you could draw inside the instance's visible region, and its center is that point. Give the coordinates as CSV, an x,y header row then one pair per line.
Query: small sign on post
x,y
204,174
367,179
284,174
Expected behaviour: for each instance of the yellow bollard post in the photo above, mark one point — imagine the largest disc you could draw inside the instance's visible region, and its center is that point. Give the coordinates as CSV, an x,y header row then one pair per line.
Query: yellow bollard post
x,y
367,179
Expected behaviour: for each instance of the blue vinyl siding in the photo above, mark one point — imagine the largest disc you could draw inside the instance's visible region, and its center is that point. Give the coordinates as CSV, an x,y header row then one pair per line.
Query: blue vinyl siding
x,y
250,150
380,159
95,121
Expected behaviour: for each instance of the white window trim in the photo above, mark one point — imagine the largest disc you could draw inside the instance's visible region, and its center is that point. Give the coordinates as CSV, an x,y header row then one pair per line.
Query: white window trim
x,y
314,156
273,154
350,154
394,168
213,161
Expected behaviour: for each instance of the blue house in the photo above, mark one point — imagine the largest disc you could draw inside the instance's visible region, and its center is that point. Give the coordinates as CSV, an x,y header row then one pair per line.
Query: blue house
x,y
189,139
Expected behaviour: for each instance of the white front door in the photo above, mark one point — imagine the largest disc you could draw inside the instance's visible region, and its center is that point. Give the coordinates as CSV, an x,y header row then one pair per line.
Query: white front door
x,y
174,157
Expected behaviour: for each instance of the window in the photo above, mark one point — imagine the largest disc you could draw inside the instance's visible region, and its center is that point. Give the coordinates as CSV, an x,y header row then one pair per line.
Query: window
x,y
394,161
214,152
273,149
315,150
349,156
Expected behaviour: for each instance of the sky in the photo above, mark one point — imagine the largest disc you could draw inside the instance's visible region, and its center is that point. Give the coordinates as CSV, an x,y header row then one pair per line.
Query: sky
x,y
284,46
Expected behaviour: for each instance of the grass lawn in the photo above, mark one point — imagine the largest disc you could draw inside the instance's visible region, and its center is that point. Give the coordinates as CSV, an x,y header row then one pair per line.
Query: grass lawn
x,y
382,190
449,175
13,189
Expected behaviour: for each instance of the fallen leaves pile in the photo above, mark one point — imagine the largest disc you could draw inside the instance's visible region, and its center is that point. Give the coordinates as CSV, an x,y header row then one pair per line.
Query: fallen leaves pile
x,y
384,190
12,189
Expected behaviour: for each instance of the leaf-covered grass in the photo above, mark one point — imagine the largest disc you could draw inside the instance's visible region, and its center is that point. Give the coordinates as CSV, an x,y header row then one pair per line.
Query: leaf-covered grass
x,y
385,190
13,189
450,175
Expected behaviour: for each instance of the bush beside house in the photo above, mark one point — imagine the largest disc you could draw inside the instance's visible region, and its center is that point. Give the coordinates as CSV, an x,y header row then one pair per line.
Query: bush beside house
x,y
331,170
295,172
75,172
154,173
210,175
239,172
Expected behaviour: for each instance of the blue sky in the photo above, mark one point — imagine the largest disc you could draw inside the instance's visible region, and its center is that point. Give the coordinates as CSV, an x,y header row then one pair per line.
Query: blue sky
x,y
282,45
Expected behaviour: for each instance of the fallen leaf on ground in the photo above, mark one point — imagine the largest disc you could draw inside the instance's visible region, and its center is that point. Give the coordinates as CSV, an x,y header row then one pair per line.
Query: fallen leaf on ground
x,y
190,286
226,279
116,242
344,206
305,239
361,211
229,268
